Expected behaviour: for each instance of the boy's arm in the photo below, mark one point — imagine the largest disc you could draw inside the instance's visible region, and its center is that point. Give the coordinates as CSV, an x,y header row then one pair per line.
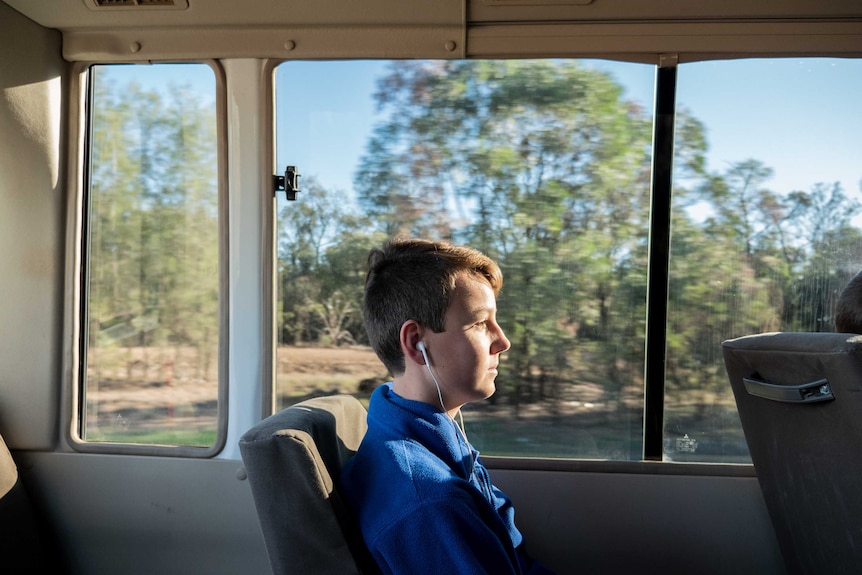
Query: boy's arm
x,y
445,536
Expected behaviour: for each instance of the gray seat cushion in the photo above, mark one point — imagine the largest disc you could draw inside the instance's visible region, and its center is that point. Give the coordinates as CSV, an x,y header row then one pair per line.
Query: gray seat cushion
x,y
27,544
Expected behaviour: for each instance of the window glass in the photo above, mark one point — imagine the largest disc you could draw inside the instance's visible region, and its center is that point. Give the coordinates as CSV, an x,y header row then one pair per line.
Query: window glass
x,y
765,226
151,327
544,165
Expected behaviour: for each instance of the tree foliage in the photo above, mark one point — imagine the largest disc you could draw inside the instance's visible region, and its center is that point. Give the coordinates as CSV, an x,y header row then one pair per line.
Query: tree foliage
x,y
543,165
153,221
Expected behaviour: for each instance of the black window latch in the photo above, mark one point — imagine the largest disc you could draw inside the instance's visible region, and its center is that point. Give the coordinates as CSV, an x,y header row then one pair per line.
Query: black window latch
x,y
288,183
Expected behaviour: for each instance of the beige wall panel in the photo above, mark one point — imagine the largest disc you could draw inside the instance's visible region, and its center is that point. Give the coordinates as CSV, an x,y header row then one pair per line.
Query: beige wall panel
x,y
31,231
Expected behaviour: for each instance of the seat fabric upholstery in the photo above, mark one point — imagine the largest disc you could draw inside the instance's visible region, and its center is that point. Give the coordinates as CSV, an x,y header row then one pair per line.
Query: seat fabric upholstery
x,y
806,453
27,544
293,460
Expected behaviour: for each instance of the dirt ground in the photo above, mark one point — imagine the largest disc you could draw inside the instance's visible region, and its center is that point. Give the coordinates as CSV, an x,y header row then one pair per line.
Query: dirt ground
x,y
154,390
355,360
129,379
133,379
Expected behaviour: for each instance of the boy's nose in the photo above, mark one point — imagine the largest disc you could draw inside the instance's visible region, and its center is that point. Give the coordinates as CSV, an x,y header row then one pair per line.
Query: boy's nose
x,y
502,343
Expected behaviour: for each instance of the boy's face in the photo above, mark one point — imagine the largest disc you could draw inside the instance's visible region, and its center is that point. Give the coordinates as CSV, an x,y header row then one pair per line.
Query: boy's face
x,y
466,354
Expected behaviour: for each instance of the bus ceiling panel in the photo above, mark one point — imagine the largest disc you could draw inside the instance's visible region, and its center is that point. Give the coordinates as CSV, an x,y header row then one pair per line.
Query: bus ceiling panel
x,y
249,14
631,42
485,11
630,29
89,14
645,42
296,42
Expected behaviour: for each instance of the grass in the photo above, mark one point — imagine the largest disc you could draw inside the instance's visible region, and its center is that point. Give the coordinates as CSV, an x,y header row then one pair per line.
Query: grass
x,y
171,437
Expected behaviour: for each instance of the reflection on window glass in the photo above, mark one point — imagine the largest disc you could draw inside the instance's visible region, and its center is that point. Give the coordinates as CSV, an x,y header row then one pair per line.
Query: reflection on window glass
x,y
544,165
766,225
152,304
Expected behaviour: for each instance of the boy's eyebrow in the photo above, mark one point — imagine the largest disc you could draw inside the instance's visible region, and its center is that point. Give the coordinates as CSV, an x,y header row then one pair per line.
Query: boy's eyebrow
x,y
480,310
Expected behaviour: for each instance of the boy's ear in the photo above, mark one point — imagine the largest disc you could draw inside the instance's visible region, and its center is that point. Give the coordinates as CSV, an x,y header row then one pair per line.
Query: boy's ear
x,y
410,336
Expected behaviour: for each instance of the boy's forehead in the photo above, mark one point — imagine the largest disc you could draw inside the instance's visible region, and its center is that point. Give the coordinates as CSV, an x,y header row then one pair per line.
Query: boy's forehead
x,y
472,293
465,279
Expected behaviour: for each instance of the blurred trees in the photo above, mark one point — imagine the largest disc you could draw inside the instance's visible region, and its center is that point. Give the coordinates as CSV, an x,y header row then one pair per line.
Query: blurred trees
x,y
153,228
544,165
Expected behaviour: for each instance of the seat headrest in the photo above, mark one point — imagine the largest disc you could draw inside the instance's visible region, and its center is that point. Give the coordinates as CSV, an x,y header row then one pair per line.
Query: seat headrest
x,y
8,469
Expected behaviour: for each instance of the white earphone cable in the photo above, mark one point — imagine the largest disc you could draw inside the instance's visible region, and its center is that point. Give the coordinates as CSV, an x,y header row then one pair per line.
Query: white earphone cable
x,y
421,347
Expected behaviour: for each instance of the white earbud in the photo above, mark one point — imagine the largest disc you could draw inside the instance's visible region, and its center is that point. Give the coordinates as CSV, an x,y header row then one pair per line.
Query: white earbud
x,y
421,347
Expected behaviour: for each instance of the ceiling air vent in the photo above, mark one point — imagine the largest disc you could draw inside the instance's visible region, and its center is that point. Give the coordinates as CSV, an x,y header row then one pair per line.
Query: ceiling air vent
x,y
537,2
137,4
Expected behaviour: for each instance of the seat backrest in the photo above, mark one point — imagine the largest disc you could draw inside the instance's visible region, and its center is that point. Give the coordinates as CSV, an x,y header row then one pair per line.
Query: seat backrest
x,y
26,544
293,460
799,397
8,470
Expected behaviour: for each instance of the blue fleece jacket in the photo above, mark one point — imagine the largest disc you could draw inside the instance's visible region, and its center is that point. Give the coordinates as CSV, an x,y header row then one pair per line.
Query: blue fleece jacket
x,y
424,502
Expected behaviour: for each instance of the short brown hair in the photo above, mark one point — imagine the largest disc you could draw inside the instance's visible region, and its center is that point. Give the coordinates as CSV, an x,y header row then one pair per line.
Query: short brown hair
x,y
413,279
848,310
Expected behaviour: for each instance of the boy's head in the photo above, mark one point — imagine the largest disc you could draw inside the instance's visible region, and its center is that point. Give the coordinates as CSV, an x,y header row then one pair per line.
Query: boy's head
x,y
848,310
413,279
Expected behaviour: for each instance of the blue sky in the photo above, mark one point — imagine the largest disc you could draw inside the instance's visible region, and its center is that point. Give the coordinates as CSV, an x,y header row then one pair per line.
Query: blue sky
x,y
799,117
337,113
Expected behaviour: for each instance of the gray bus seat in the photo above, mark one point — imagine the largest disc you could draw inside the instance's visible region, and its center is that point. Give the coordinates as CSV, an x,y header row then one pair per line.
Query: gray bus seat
x,y
799,397
25,546
293,460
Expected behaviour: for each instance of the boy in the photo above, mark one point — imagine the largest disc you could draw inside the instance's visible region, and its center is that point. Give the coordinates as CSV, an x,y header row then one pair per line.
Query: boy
x,y
423,500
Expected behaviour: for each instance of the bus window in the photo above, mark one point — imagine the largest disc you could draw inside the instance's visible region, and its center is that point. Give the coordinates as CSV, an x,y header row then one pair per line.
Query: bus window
x,y
765,225
151,321
542,164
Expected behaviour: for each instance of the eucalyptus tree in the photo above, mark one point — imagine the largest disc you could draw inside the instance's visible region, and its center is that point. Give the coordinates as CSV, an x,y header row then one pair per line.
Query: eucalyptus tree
x,y
153,233
544,165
